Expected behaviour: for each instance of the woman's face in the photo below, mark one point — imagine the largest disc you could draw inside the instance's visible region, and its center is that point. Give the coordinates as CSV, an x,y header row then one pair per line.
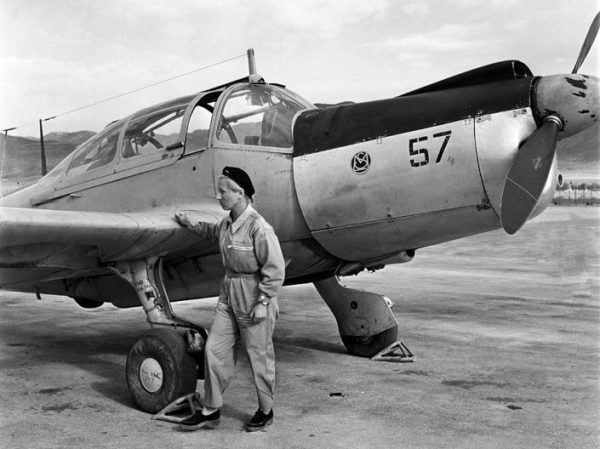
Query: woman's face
x,y
227,197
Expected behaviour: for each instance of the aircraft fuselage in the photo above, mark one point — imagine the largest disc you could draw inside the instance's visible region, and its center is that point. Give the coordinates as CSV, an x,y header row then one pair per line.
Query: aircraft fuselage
x,y
359,186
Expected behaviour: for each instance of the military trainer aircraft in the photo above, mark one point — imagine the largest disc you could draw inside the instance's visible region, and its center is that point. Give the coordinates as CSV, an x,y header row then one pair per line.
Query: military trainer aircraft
x,y
347,188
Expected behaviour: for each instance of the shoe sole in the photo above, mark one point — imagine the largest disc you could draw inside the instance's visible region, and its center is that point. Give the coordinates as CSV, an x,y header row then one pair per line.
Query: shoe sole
x,y
256,428
202,425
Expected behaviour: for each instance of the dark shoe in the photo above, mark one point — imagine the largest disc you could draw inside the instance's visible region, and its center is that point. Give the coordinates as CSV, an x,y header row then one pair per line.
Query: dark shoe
x,y
200,421
260,421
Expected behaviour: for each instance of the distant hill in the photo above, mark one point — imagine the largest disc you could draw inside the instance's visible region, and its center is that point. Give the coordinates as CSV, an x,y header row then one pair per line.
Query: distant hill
x,y
76,138
22,157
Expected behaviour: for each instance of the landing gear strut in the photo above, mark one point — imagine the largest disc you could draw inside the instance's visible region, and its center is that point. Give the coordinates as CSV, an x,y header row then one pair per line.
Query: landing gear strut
x,y
365,320
166,362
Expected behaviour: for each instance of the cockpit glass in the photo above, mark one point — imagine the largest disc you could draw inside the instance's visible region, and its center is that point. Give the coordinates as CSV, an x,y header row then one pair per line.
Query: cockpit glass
x,y
152,132
97,152
197,133
259,115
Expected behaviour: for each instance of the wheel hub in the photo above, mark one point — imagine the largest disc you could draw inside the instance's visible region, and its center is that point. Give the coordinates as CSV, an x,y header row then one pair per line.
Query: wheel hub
x,y
151,375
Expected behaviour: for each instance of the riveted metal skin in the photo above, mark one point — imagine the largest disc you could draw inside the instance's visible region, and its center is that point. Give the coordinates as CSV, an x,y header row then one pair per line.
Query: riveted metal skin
x,y
428,179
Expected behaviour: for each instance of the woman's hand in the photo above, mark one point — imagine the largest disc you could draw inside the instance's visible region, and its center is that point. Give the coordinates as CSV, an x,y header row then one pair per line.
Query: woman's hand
x,y
182,219
259,313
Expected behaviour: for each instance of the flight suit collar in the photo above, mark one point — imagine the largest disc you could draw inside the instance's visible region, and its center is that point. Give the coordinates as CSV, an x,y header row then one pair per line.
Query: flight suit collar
x,y
237,224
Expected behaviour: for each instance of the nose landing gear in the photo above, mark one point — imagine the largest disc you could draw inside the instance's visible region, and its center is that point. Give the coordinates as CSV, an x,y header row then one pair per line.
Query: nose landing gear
x,y
365,320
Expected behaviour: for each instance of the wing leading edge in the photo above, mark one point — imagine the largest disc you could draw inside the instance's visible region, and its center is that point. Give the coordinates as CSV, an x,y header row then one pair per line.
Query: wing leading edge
x,y
38,244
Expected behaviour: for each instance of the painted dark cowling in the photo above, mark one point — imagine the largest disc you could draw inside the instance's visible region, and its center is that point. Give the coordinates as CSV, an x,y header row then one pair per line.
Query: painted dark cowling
x,y
498,71
490,89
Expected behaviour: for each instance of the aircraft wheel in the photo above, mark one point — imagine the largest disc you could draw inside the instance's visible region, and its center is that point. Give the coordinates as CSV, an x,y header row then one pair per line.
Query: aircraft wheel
x,y
159,370
372,344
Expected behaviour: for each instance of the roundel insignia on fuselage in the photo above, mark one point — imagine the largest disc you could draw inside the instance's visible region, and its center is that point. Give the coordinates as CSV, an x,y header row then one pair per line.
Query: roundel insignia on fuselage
x,y
361,162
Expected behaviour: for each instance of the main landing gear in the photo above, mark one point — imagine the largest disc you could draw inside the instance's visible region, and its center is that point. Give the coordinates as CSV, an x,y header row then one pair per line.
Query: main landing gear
x,y
166,362
365,320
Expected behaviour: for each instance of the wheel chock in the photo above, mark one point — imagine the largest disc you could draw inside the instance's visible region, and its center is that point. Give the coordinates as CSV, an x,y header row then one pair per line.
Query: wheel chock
x,y
396,352
180,409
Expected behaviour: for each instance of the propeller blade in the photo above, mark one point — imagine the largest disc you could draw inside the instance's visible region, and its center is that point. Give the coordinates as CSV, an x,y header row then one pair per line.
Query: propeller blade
x,y
528,175
587,43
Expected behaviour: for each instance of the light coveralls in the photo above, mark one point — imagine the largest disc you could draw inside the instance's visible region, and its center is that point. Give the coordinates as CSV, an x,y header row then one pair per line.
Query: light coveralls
x,y
254,264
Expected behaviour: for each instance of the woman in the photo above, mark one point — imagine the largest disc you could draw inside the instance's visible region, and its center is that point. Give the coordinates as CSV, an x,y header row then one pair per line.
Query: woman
x,y
247,307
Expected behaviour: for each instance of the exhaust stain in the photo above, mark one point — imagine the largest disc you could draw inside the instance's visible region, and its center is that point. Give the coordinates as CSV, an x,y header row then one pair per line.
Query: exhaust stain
x,y
579,84
579,94
550,112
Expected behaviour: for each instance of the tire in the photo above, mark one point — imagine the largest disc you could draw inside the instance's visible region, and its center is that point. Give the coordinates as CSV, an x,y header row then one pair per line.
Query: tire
x,y
371,345
159,370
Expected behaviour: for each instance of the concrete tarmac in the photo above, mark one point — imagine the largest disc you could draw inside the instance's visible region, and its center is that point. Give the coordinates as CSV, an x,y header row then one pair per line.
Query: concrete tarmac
x,y
505,331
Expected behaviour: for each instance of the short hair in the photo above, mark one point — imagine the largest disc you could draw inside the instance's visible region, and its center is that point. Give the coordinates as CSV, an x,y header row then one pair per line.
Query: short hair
x,y
232,185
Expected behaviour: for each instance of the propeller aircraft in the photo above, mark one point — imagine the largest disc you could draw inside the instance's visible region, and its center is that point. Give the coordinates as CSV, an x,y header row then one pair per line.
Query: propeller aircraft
x,y
346,187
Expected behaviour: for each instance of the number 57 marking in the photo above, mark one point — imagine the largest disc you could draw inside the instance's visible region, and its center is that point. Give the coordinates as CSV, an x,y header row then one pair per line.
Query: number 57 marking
x,y
424,160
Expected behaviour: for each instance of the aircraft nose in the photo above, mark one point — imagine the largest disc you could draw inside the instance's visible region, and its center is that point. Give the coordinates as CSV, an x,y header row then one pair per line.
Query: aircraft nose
x,y
572,98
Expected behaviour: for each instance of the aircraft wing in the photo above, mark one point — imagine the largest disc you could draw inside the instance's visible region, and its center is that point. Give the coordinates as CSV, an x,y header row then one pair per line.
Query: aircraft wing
x,y
49,244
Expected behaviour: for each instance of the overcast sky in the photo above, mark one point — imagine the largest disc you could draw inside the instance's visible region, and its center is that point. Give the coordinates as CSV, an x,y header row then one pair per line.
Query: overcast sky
x,y
59,55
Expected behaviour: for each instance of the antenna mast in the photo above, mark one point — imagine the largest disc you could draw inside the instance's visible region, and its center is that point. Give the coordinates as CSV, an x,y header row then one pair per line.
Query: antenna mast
x,y
251,62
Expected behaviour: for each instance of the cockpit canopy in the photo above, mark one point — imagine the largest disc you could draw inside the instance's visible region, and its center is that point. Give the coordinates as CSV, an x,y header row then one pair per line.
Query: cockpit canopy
x,y
258,115
239,114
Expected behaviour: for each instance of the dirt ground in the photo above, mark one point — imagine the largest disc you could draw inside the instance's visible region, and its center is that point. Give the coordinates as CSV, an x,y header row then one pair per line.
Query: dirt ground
x,y
505,331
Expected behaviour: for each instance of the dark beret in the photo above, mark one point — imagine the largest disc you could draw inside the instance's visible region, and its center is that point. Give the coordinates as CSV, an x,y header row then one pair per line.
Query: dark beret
x,y
241,178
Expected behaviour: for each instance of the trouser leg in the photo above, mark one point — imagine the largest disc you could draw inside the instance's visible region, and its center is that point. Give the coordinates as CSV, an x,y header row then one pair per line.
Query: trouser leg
x,y
220,355
257,338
